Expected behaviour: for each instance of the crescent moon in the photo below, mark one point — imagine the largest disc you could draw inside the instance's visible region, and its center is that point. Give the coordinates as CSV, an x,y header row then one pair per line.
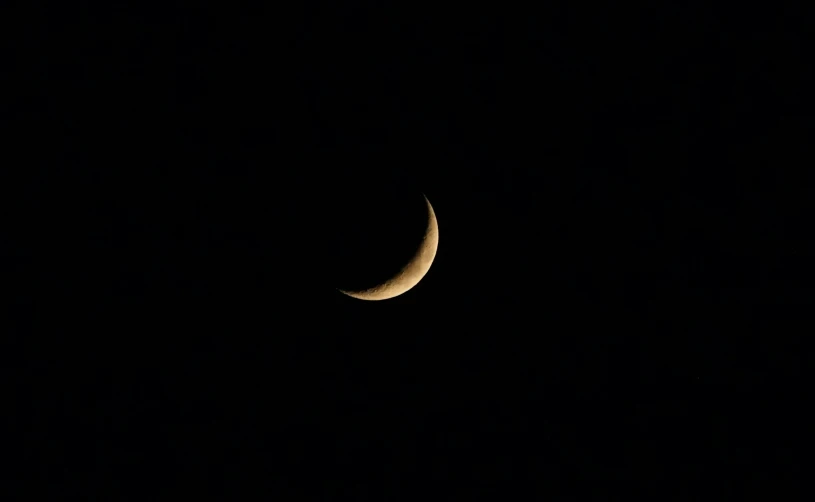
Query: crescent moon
x,y
410,275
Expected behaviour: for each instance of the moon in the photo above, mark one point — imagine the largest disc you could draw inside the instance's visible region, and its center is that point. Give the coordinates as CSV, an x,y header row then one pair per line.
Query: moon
x,y
413,272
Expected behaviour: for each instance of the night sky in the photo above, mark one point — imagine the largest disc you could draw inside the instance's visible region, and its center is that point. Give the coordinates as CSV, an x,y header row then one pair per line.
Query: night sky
x,y
617,308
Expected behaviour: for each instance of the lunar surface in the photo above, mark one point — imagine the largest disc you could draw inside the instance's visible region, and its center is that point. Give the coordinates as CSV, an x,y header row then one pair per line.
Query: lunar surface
x,y
412,272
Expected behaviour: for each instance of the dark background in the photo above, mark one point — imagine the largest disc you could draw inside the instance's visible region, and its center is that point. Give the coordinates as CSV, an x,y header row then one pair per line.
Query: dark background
x,y
617,308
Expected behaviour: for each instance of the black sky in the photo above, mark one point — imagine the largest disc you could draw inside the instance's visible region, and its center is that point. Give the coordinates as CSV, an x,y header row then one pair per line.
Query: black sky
x,y
616,309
